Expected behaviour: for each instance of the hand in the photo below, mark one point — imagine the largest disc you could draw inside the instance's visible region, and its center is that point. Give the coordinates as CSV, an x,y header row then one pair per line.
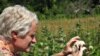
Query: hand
x,y
68,47
72,41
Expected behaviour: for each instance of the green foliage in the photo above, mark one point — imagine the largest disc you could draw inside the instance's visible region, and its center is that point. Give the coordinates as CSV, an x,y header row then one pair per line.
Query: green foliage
x,y
97,9
50,42
47,9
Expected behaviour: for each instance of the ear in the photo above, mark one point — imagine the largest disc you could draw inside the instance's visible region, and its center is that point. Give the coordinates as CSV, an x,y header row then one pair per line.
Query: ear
x,y
14,34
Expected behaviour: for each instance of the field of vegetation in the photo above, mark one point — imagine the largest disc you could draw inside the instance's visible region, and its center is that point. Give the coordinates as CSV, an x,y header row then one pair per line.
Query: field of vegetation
x,y
60,20
52,35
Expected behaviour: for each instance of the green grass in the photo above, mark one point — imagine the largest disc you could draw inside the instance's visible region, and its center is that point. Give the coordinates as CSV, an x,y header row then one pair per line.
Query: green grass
x,y
52,35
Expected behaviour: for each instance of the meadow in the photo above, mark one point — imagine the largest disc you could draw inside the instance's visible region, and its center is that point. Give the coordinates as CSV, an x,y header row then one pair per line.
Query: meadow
x,y
52,35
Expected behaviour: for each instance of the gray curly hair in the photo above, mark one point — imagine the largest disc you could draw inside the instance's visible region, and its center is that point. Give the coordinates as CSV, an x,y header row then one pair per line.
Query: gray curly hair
x,y
16,18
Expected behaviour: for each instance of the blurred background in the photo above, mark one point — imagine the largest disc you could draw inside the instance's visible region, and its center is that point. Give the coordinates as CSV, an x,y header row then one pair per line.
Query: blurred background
x,y
60,20
57,8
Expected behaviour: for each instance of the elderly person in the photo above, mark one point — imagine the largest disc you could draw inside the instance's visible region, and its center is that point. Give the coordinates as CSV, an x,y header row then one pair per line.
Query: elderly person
x,y
17,31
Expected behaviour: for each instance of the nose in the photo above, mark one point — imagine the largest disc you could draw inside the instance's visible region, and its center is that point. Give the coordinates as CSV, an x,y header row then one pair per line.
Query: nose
x,y
34,40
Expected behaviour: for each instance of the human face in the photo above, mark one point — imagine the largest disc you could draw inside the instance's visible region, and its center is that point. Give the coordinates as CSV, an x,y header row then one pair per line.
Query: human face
x,y
23,44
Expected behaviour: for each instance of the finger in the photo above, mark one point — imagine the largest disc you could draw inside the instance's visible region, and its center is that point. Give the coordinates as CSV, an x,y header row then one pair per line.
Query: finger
x,y
73,40
76,38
